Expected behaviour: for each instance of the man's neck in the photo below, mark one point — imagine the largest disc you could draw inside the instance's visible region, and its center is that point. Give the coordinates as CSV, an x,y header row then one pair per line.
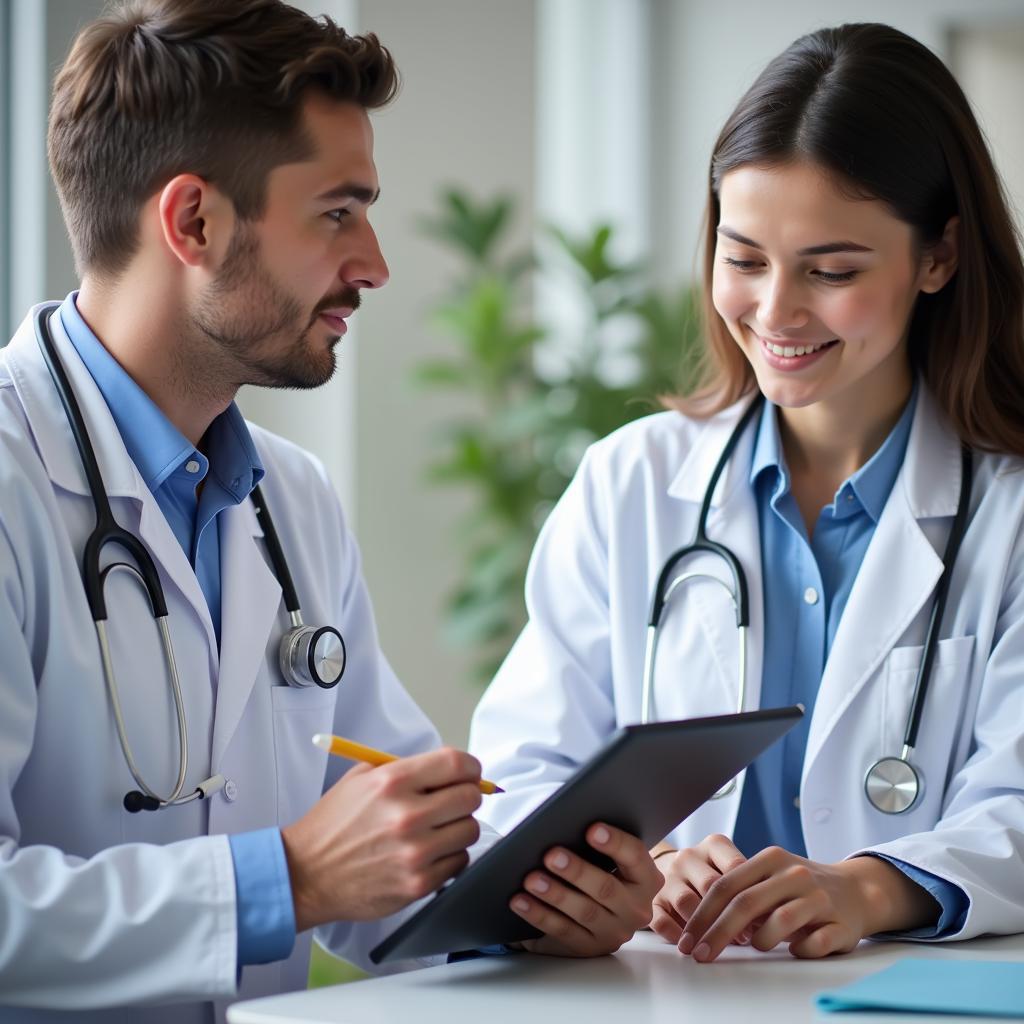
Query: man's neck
x,y
144,331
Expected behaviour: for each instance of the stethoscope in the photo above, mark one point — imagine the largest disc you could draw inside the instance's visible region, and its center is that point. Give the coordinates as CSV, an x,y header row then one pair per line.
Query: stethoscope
x,y
892,784
308,655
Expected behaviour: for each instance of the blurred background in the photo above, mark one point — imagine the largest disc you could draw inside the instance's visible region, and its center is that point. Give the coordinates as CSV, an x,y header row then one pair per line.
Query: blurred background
x,y
543,175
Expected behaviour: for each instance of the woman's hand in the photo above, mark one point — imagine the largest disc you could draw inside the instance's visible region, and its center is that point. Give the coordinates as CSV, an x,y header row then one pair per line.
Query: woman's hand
x,y
776,896
689,873
582,909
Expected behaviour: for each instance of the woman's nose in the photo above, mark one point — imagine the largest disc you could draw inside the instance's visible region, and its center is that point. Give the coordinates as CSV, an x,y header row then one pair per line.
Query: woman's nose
x,y
781,307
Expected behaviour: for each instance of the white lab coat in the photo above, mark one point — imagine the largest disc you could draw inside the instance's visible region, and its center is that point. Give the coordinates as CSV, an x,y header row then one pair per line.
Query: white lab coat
x,y
99,907
574,674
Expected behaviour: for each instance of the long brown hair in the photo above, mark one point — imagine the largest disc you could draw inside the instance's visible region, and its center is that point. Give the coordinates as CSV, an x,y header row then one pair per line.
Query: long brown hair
x,y
156,88
884,117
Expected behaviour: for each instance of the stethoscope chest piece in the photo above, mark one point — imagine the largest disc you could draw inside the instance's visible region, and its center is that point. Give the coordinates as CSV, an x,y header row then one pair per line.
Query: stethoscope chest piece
x,y
892,785
311,654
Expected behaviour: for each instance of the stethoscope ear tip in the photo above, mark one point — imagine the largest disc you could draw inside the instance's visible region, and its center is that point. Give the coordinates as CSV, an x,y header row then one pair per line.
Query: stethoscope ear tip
x,y
136,801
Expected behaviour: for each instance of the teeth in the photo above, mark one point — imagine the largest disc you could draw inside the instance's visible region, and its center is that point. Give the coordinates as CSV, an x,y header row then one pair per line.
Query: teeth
x,y
788,351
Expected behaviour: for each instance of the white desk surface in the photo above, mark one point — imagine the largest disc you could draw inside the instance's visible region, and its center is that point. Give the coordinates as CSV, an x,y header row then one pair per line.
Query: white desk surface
x,y
646,982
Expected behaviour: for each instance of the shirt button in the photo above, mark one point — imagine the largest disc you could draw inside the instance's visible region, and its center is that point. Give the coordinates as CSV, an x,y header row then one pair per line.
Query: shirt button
x,y
810,596
822,814
849,497
796,802
192,466
230,791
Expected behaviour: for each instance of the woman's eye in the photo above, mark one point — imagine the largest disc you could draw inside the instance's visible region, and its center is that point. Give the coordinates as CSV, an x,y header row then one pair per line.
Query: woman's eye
x,y
831,277
739,264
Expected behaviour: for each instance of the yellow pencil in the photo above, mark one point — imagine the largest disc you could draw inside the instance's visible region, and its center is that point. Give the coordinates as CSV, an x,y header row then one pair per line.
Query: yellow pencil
x,y
342,747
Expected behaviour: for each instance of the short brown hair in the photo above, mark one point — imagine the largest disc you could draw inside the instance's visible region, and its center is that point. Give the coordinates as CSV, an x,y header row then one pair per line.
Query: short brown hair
x,y
156,88
885,118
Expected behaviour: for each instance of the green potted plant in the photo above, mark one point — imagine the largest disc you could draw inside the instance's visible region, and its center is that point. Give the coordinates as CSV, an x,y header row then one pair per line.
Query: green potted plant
x,y
520,447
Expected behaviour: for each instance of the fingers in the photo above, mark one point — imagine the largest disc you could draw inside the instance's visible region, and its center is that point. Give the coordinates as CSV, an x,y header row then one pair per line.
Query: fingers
x,y
688,877
630,856
774,885
727,888
584,910
819,942
722,853
789,919
430,878
453,838
666,922
562,935
449,804
434,769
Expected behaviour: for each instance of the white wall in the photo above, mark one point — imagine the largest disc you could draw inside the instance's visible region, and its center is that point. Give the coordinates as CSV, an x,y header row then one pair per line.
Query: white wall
x,y
989,61
465,116
708,54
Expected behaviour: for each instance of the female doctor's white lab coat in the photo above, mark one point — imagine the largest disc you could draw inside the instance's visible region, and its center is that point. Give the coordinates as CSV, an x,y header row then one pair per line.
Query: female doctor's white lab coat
x,y
99,907
575,673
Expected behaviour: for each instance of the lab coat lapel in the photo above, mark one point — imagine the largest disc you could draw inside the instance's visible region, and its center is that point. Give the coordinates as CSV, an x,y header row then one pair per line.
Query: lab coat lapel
x,y
732,521
250,602
900,571
131,500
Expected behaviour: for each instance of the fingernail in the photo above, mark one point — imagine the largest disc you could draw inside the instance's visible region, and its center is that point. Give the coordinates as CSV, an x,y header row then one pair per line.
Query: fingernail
x,y
601,835
686,943
560,860
701,952
520,904
539,885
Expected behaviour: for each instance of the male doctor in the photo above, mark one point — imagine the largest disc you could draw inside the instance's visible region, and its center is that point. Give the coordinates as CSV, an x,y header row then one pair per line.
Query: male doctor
x,y
214,162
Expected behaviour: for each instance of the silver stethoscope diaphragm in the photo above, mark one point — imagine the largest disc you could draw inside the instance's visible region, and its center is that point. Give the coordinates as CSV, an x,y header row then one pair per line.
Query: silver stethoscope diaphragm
x,y
893,785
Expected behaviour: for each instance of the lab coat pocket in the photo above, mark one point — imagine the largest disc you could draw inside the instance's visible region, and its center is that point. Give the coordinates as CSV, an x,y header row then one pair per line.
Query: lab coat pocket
x,y
941,717
299,713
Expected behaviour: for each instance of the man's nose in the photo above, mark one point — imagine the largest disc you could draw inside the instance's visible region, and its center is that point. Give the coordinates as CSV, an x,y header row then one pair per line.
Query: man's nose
x,y
366,268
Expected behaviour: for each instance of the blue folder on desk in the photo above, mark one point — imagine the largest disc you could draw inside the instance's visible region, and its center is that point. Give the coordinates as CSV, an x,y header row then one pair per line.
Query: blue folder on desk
x,y
980,987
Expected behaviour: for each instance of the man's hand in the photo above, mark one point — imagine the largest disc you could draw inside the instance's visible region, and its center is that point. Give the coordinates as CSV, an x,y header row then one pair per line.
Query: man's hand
x,y
714,896
382,837
582,909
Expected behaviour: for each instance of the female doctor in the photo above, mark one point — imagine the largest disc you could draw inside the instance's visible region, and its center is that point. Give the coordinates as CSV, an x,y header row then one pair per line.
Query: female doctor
x,y
862,274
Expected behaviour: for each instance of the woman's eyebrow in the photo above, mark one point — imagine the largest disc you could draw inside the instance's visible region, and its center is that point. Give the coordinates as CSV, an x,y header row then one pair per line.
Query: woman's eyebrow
x,y
811,250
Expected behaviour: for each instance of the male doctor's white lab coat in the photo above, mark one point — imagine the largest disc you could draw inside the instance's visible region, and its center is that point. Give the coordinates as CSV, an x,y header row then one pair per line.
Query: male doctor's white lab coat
x,y
575,673
99,907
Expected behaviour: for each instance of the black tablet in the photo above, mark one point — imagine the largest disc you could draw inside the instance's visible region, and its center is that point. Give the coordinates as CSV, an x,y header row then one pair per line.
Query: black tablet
x,y
645,780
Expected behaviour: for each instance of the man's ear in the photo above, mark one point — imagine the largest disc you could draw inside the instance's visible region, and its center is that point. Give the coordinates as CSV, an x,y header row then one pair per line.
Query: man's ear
x,y
196,221
940,260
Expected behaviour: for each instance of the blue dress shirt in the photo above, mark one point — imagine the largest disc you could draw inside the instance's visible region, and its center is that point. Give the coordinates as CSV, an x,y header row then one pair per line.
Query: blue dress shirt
x,y
807,582
172,468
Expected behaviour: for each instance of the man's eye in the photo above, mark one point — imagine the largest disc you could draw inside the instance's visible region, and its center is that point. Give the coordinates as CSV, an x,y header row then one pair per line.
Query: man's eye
x,y
338,215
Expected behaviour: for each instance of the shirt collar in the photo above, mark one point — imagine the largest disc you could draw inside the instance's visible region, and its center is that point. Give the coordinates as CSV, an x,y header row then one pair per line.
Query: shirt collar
x,y
768,456
153,443
871,484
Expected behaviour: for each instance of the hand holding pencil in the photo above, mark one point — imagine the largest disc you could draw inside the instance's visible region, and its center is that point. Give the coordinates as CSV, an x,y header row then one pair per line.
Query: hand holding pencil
x,y
381,837
341,747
